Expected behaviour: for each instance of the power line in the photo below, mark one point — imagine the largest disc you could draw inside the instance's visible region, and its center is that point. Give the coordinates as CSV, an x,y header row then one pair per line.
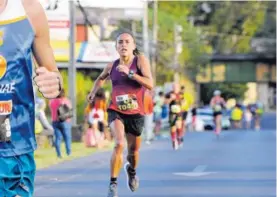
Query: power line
x,y
87,21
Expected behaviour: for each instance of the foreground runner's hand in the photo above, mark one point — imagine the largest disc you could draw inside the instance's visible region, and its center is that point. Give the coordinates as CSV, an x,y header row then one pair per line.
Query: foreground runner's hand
x,y
48,82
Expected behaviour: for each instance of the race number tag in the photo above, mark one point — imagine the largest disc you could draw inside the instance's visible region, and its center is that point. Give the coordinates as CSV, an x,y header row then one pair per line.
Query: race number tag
x,y
217,108
175,109
5,126
126,102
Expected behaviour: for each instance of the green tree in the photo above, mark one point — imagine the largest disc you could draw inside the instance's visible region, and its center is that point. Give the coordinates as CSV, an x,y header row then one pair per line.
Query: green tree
x,y
83,86
230,28
169,14
229,90
232,25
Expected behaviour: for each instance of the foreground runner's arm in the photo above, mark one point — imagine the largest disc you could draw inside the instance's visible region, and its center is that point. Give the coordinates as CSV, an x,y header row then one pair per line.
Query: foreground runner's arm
x,y
48,78
99,82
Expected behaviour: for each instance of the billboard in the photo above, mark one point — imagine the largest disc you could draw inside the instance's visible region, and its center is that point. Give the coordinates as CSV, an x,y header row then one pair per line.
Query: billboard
x,y
98,52
61,50
57,13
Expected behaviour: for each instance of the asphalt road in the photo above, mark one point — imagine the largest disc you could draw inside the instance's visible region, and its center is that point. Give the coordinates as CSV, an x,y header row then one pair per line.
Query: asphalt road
x,y
238,164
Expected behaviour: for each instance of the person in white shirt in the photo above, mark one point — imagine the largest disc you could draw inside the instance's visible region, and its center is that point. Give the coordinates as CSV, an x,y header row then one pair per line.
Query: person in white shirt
x,y
95,118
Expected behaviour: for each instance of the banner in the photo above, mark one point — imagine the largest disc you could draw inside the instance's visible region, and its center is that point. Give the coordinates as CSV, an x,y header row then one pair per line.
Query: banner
x,y
98,52
57,13
61,50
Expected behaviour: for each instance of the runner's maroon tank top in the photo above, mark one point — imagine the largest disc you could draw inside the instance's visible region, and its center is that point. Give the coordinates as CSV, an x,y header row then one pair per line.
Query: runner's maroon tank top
x,y
127,94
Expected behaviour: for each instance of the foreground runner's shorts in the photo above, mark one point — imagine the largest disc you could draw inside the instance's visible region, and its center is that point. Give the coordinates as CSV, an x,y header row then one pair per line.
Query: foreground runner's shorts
x,y
134,124
17,175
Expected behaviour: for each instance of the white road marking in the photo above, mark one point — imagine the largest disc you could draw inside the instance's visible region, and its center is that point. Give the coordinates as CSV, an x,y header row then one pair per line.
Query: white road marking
x,y
197,171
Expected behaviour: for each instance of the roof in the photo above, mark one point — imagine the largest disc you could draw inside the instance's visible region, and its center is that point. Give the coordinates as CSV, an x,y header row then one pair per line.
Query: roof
x,y
243,57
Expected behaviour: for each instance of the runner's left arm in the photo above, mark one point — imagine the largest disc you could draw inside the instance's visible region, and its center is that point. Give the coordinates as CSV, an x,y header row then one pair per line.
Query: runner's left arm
x,y
146,79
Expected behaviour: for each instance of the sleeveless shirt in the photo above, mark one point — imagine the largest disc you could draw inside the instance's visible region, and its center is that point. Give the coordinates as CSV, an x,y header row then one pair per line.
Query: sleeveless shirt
x,y
16,85
127,94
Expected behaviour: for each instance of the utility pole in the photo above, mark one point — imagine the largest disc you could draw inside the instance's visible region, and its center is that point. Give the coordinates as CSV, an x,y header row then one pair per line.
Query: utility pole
x,y
134,28
104,20
72,66
145,30
155,43
178,47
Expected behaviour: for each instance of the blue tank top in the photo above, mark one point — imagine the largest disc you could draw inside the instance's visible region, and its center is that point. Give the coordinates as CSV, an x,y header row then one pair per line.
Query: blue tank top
x,y
16,85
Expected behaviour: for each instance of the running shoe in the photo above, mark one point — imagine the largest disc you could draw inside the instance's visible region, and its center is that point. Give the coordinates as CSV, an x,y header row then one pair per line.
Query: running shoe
x,y
132,179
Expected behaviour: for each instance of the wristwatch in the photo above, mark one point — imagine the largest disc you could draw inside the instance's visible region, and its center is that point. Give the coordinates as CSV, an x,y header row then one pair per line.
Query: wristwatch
x,y
131,74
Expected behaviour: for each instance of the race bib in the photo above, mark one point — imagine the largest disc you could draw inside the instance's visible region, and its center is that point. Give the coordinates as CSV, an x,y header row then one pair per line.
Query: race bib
x,y
5,126
175,108
217,108
126,102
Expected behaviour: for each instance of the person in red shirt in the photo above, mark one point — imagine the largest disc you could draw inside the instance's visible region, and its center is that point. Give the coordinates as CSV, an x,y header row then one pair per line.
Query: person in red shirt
x,y
62,129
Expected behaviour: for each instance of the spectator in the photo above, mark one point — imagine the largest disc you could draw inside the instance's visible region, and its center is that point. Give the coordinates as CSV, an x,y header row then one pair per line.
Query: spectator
x,y
194,116
62,128
148,118
248,117
258,114
46,128
93,135
158,105
236,116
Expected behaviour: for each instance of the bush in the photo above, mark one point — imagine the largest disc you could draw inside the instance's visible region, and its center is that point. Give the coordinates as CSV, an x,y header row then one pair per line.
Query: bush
x,y
83,86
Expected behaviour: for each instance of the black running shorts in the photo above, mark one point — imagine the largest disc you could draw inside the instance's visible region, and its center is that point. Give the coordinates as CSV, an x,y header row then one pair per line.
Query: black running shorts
x,y
184,115
217,113
173,118
133,124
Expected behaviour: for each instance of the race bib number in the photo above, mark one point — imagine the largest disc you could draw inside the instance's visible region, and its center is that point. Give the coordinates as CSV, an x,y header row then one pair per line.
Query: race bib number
x,y
126,102
217,108
175,108
6,107
5,126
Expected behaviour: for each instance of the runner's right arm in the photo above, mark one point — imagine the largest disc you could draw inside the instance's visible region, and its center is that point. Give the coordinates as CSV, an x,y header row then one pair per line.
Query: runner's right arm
x,y
99,82
169,97
212,102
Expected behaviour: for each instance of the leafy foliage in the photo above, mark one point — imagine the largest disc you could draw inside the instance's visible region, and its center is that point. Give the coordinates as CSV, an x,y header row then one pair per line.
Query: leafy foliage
x,y
232,25
83,86
228,28
229,90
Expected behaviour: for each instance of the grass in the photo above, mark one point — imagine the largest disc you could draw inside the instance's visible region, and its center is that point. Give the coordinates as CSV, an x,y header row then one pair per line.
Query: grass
x,y
46,156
